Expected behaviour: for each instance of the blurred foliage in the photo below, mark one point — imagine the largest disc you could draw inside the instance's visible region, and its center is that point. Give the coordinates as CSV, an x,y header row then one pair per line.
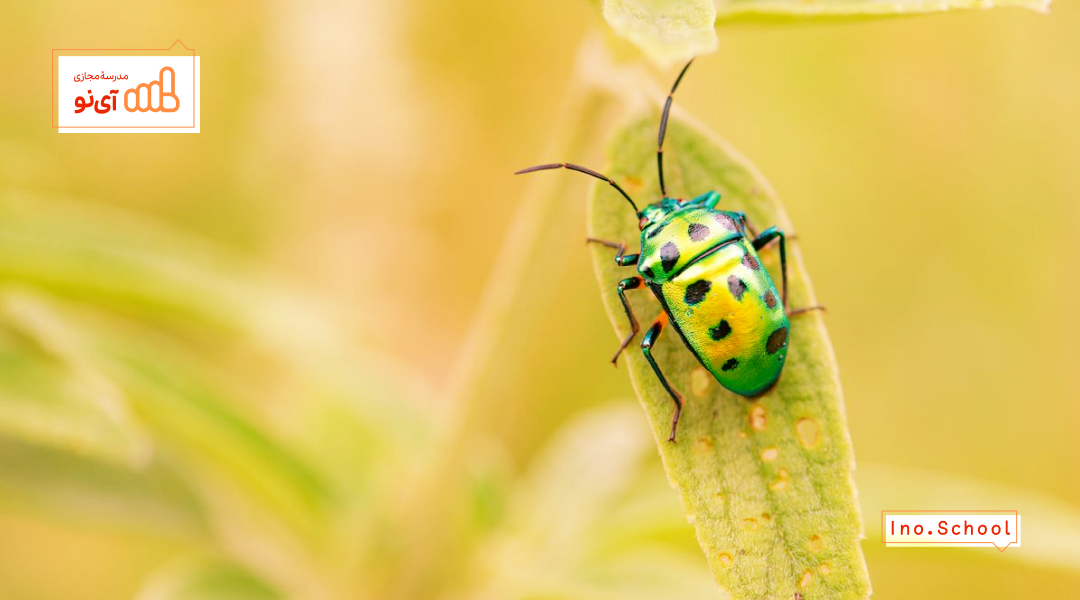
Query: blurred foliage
x,y
114,414
666,31
845,9
224,354
672,31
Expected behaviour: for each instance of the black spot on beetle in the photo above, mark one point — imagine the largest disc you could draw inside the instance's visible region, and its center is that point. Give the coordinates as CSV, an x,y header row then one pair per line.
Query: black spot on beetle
x,y
695,292
770,299
737,287
721,331
648,272
726,222
750,262
776,340
669,256
656,232
730,364
698,232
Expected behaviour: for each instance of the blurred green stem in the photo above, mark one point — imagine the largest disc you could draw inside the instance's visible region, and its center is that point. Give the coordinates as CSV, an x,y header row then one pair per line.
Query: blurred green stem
x,y
593,100
586,113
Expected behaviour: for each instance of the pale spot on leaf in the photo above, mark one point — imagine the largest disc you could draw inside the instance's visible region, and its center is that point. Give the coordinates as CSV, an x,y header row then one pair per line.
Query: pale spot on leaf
x,y
758,419
780,482
808,432
703,446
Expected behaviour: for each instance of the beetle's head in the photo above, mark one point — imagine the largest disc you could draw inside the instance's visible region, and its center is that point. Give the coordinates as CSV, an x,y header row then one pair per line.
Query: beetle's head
x,y
655,212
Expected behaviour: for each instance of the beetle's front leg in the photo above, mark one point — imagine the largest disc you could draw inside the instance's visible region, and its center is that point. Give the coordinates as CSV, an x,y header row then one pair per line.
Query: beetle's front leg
x,y
629,283
647,342
621,259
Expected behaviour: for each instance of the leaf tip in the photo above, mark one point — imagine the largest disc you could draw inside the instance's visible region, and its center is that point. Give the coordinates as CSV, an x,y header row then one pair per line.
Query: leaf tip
x,y
667,32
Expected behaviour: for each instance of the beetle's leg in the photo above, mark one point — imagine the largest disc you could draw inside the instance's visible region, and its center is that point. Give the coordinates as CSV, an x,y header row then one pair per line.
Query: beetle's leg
x,y
621,259
799,311
646,347
708,199
747,225
629,283
760,242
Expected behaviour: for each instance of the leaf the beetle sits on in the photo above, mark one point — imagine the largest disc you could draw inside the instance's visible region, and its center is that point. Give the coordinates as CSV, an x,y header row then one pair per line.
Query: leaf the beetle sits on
x,y
767,483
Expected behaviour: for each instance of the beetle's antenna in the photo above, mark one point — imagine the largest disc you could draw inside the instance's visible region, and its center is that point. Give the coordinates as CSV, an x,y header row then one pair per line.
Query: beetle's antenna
x,y
663,128
584,170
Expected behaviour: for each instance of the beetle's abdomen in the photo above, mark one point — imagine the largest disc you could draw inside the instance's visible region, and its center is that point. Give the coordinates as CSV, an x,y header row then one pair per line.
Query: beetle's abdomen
x,y
730,314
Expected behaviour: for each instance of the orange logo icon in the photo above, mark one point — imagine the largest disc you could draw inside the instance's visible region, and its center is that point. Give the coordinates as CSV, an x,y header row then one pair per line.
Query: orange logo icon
x,y
156,92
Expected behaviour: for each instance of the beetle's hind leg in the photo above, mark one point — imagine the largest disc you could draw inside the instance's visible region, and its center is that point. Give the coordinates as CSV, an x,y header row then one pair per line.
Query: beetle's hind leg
x,y
629,283
621,258
746,224
647,342
801,311
763,240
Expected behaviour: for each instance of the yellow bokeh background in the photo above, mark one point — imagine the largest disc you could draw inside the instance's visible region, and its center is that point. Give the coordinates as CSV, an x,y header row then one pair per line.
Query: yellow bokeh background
x,y
365,149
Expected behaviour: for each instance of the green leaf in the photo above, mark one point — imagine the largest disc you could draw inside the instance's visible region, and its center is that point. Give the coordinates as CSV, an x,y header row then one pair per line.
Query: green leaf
x,y
668,31
770,527
148,269
52,395
206,579
796,9
674,31
153,498
618,535
160,280
192,412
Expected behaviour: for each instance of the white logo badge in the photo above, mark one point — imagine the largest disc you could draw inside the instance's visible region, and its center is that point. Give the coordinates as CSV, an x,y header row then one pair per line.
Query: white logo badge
x,y
126,91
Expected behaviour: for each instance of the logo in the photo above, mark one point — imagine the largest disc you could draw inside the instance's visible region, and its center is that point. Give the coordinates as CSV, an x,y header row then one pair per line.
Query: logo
x,y
928,528
164,88
126,90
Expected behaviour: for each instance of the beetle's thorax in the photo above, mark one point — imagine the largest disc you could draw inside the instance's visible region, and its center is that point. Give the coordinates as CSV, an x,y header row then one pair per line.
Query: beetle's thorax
x,y
676,234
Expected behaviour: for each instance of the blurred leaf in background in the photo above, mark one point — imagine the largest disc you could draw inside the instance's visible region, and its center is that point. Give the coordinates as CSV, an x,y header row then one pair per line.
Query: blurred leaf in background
x,y
674,31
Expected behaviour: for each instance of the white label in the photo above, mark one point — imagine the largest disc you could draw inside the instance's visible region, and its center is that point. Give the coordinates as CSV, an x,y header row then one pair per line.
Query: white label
x,y
1000,529
128,94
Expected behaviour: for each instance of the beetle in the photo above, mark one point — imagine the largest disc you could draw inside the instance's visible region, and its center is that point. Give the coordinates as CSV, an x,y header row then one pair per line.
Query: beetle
x,y
702,264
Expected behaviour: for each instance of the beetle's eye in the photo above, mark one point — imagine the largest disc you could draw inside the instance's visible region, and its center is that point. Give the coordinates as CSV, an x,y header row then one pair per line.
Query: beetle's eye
x,y
644,222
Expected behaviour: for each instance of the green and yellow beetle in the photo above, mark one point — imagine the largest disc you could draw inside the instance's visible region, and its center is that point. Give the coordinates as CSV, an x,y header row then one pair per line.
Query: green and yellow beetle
x,y
702,264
